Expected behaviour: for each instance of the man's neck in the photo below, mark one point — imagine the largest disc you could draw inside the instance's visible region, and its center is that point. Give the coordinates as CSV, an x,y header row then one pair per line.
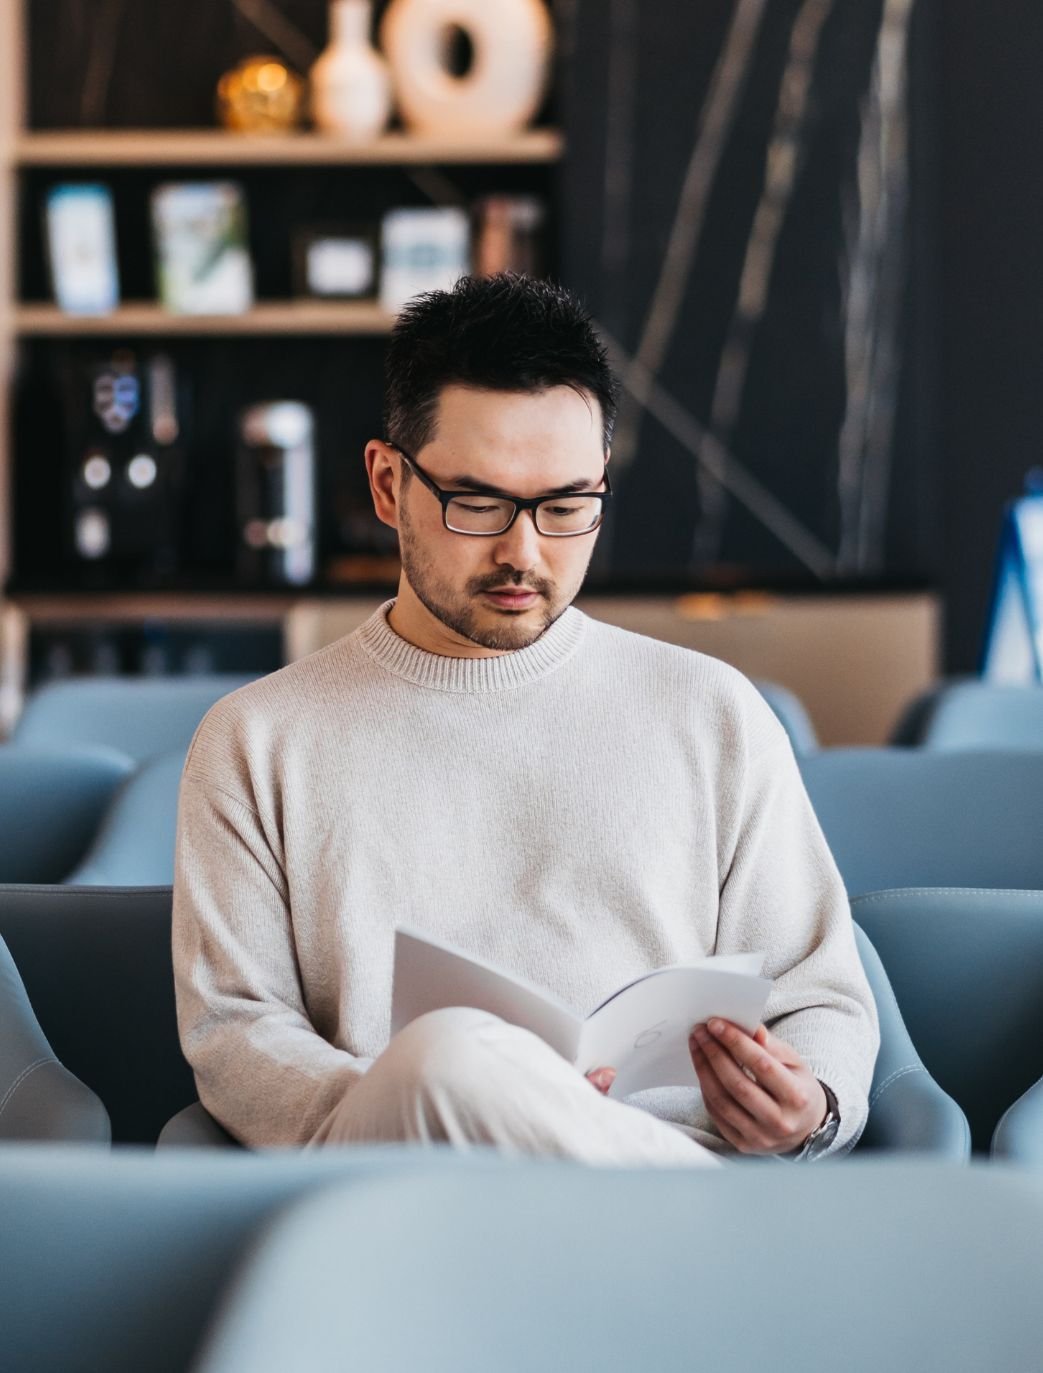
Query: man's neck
x,y
411,620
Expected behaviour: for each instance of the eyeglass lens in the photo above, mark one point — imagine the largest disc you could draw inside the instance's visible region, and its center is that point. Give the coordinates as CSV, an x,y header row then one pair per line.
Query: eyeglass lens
x,y
490,515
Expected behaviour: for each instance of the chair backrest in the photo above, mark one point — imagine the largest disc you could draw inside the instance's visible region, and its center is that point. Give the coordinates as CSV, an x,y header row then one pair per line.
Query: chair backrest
x,y
141,716
549,1266
791,714
134,845
911,818
39,1099
967,970
120,1267
51,804
97,966
975,714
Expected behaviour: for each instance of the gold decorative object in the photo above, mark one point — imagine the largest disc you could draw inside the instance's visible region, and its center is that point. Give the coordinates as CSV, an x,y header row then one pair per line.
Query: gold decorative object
x,y
260,95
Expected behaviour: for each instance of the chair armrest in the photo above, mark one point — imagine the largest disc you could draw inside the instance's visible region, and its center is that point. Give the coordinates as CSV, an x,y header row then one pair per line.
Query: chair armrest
x,y
1019,1134
909,1111
195,1128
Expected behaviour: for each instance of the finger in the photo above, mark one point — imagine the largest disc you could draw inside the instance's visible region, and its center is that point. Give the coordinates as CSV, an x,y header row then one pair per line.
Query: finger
x,y
758,1104
778,1048
751,1057
735,1123
601,1078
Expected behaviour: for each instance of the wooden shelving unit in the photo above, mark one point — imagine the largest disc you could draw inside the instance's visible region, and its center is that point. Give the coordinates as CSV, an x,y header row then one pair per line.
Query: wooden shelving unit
x,y
94,151
266,318
215,147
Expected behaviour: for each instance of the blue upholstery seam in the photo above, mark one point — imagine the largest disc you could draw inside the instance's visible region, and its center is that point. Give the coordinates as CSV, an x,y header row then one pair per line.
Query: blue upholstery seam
x,y
893,1077
898,893
39,1063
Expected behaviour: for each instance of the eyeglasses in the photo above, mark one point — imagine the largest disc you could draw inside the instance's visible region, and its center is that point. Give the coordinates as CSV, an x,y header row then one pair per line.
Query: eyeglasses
x,y
484,514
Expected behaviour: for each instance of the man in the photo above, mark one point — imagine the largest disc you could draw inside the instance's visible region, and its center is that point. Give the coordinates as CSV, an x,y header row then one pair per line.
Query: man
x,y
480,760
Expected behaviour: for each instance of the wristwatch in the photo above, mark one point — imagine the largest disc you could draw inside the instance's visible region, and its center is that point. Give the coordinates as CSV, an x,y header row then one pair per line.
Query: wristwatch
x,y
823,1135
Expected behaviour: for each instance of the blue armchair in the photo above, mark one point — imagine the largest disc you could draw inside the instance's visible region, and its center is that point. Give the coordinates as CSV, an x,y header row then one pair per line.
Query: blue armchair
x,y
967,970
872,1266
51,804
134,844
140,716
39,1098
912,818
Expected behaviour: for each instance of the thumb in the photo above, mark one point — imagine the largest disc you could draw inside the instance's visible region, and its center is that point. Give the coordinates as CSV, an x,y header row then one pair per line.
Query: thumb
x,y
602,1078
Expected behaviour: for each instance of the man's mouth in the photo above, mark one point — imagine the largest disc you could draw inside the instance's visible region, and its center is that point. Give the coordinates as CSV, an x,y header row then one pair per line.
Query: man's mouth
x,y
512,597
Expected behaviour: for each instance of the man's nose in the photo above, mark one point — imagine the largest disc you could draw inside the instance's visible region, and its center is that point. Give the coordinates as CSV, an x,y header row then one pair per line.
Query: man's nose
x,y
519,545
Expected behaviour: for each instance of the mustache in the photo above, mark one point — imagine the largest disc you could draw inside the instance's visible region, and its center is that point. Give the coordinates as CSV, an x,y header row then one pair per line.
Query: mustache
x,y
509,576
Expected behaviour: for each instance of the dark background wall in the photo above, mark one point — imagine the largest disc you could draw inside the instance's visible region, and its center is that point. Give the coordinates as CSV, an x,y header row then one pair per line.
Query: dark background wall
x,y
990,251
972,399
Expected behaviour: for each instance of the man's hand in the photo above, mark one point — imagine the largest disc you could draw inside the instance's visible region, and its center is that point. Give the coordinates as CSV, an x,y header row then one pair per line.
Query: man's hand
x,y
602,1079
762,1096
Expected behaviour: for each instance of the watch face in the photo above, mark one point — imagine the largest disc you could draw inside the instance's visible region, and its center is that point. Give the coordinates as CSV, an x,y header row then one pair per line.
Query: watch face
x,y
819,1140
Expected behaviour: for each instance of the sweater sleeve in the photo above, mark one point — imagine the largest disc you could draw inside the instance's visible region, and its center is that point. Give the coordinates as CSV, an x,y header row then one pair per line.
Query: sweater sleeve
x,y
783,894
261,1067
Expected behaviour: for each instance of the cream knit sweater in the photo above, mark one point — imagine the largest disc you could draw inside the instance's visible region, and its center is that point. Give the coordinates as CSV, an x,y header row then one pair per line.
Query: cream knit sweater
x,y
578,811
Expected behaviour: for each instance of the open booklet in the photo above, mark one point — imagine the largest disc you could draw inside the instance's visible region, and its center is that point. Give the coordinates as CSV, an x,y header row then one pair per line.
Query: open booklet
x,y
641,1030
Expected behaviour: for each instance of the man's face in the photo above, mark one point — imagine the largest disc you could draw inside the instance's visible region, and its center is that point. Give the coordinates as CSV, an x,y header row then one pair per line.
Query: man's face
x,y
462,594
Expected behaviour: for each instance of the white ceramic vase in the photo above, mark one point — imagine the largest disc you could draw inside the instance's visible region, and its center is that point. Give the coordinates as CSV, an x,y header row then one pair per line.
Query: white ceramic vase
x,y
350,83
511,42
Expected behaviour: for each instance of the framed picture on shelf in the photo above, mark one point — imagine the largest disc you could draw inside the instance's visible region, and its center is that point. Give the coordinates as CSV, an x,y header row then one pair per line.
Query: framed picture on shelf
x,y
202,251
81,248
424,249
336,262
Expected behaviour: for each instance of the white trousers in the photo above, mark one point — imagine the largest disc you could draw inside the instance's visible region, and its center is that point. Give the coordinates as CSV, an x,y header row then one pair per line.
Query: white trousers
x,y
466,1078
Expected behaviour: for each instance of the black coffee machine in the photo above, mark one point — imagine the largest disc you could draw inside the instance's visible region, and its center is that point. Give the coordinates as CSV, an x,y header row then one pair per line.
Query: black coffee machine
x,y
125,484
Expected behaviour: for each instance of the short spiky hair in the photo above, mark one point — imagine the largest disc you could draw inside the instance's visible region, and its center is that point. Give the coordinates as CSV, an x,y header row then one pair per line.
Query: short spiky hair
x,y
500,333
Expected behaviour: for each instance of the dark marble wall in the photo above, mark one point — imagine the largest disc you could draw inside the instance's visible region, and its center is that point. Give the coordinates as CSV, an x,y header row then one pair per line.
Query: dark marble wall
x,y
766,391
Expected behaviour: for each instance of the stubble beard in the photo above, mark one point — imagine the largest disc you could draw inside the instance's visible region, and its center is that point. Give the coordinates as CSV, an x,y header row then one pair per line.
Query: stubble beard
x,y
458,610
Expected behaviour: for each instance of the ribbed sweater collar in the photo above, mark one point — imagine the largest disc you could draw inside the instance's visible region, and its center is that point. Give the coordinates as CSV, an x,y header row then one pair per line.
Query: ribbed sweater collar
x,y
509,670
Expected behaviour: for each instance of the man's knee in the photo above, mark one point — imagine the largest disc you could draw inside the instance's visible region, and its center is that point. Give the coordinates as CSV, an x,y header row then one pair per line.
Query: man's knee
x,y
448,1049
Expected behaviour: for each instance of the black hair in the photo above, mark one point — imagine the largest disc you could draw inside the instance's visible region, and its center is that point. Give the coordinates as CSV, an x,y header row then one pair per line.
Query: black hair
x,y
499,333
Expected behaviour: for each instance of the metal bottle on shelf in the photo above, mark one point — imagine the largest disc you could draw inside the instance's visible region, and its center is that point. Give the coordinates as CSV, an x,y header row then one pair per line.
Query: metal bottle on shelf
x,y
275,494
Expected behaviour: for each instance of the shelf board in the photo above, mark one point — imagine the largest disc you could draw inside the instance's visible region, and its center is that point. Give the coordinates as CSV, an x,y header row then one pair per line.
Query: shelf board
x,y
272,317
215,147
132,607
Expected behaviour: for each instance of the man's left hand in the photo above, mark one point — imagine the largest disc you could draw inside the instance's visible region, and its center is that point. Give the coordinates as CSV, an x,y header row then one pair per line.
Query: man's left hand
x,y
761,1094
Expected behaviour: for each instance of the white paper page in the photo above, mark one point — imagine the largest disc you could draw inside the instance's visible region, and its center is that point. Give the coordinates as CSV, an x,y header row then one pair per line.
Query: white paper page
x,y
643,1031
430,975
724,962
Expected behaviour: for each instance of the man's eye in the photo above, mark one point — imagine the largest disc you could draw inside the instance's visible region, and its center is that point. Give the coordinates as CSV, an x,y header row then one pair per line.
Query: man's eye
x,y
477,509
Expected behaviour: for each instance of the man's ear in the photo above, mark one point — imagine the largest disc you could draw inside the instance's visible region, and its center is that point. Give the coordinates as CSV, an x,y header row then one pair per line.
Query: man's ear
x,y
382,468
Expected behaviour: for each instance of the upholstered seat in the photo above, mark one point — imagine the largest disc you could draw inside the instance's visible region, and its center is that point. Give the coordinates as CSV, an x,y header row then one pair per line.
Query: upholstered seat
x,y
134,844
140,716
967,970
96,963
800,1269
911,818
51,804
972,714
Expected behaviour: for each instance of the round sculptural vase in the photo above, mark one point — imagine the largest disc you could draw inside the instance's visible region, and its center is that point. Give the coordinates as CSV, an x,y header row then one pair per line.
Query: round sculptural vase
x,y
350,82
510,42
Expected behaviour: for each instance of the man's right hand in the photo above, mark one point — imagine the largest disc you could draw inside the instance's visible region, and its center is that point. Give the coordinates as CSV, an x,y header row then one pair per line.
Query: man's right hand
x,y
602,1079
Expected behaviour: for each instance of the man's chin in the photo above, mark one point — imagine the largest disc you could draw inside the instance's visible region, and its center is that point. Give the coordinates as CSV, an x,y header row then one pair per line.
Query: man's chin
x,y
507,630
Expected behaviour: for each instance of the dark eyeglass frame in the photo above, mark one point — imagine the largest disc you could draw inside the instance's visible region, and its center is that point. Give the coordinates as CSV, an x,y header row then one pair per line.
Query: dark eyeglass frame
x,y
520,503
